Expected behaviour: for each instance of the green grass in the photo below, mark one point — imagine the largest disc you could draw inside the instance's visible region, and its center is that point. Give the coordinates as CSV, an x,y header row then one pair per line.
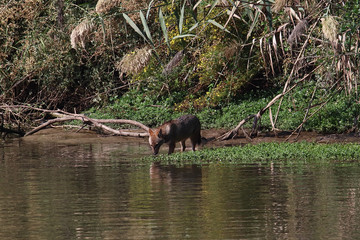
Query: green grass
x,y
336,117
264,153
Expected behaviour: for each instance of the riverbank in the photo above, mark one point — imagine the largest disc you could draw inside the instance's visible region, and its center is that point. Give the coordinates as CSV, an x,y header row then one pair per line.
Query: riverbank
x,y
309,146
62,135
268,148
280,137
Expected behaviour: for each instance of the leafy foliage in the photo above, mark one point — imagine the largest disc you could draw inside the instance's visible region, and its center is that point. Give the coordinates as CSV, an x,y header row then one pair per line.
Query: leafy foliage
x,y
189,55
337,116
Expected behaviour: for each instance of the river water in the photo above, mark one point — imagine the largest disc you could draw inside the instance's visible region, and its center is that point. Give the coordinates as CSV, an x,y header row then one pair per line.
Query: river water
x,y
93,188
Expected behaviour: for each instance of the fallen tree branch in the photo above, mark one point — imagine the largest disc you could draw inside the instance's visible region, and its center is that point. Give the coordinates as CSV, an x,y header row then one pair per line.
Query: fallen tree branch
x,y
7,130
44,125
98,123
124,121
62,116
293,70
306,112
306,118
234,132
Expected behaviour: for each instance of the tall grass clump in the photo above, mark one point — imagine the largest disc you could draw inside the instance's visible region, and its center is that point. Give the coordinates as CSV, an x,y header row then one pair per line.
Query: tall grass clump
x,y
330,28
80,34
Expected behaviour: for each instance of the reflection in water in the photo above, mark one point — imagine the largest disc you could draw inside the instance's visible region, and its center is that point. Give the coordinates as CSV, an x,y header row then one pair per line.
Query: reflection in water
x,y
54,190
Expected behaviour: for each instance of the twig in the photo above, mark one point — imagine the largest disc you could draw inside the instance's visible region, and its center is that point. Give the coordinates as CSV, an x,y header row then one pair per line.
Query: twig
x,y
234,132
305,120
294,66
246,135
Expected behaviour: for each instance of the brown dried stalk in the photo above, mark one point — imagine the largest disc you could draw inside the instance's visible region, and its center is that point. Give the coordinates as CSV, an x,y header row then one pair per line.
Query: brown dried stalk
x,y
174,62
299,57
80,34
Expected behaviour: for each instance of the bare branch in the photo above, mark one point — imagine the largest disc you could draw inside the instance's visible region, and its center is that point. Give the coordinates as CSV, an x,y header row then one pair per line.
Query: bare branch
x,y
44,125
62,116
234,132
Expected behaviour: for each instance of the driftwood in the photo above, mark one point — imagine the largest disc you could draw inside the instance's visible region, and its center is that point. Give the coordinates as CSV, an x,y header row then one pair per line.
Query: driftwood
x,y
234,132
97,123
62,116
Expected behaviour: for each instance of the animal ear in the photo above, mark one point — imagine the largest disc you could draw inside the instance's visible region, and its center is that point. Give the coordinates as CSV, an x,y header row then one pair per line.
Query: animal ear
x,y
151,132
160,133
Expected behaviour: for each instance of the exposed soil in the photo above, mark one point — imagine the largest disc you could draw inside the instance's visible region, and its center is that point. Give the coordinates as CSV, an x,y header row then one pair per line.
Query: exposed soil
x,y
86,136
282,137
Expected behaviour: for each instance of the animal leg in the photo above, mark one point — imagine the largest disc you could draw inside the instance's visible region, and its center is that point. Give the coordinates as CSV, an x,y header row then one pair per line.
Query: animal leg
x,y
194,140
171,147
183,145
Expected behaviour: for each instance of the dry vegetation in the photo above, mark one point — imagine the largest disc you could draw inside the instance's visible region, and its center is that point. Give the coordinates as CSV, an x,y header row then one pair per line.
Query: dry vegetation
x,y
135,61
71,55
81,34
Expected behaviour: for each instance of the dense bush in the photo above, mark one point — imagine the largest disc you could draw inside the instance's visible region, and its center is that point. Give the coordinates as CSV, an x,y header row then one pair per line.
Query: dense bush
x,y
211,57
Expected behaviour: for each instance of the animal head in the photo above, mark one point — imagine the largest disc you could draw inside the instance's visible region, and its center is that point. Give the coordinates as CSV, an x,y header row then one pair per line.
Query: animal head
x,y
155,140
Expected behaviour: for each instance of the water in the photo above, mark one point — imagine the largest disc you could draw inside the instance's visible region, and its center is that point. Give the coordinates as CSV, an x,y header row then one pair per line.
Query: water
x,y
93,189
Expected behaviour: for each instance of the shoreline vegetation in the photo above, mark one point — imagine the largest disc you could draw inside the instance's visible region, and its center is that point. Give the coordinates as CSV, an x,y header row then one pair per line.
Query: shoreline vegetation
x,y
310,147
266,149
248,67
266,153
341,115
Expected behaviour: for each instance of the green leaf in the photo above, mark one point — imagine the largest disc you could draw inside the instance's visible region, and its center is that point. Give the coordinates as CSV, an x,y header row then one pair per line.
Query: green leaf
x,y
184,36
133,25
146,28
163,27
149,8
218,25
253,24
194,26
181,20
212,7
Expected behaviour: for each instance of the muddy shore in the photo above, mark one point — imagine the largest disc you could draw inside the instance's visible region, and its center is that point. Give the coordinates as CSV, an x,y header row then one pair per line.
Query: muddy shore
x,y
86,136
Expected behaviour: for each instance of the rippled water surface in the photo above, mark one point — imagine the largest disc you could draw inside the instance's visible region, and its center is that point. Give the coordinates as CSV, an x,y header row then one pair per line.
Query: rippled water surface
x,y
95,189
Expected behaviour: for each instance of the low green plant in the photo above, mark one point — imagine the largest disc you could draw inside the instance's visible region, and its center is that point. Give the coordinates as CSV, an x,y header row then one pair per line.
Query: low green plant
x,y
136,107
337,116
266,153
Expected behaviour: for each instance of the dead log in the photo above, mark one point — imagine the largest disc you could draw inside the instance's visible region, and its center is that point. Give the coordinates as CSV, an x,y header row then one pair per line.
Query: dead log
x,y
234,132
97,123
124,121
62,116
44,125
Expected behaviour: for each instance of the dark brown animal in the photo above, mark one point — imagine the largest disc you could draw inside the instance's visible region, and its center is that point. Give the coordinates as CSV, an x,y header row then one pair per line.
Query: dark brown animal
x,y
178,130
